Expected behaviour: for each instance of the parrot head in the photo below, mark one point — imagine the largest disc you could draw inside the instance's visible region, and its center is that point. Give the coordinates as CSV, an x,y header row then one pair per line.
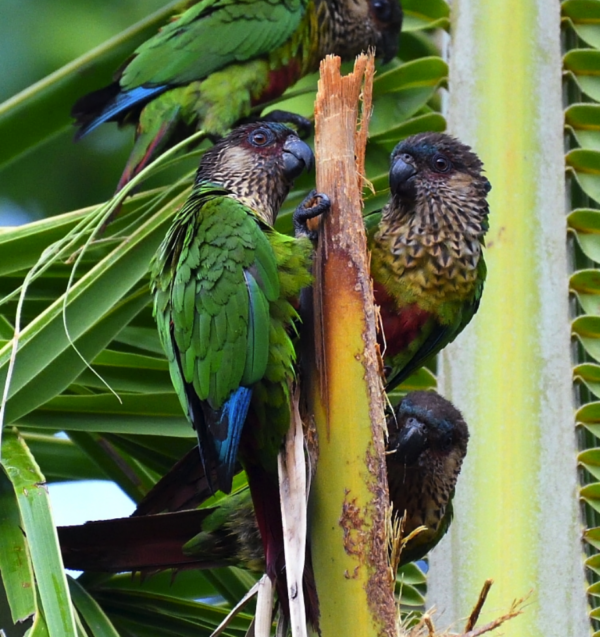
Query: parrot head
x,y
428,429
257,163
437,168
386,16
358,25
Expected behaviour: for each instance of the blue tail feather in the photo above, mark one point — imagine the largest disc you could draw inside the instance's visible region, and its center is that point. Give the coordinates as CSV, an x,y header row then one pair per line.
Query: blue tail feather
x,y
234,413
122,102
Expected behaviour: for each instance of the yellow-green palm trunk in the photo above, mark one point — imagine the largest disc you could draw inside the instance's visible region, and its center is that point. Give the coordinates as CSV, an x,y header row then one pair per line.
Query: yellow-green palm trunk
x,y
349,497
341,511
517,516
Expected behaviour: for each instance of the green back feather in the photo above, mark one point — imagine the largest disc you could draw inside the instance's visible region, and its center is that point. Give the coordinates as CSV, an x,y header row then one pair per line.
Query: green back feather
x,y
222,285
203,301
210,35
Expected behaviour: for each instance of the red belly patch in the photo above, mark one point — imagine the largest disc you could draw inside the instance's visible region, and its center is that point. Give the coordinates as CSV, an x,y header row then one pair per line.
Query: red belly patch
x,y
400,326
279,80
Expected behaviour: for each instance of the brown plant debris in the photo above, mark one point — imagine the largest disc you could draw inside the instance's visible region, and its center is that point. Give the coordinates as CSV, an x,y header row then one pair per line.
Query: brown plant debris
x,y
426,627
397,540
352,523
380,587
479,605
395,531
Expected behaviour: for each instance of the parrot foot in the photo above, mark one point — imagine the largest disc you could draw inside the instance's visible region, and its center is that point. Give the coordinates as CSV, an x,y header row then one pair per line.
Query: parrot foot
x,y
303,126
313,205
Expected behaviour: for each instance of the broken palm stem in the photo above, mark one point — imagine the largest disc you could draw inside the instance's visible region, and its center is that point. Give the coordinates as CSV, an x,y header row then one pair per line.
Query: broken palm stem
x,y
349,497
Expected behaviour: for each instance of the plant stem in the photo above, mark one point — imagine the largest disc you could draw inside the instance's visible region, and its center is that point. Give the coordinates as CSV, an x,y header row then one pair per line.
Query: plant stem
x,y
349,496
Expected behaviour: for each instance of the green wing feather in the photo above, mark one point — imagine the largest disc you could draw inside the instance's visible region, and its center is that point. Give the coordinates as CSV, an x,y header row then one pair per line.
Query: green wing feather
x,y
257,351
434,337
210,35
209,307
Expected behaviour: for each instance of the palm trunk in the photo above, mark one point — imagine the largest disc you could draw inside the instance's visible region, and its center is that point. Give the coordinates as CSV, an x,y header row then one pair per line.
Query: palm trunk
x,y
517,516
349,499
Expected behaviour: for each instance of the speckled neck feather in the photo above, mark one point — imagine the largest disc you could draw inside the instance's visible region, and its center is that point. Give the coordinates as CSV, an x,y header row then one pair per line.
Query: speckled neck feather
x,y
255,178
429,248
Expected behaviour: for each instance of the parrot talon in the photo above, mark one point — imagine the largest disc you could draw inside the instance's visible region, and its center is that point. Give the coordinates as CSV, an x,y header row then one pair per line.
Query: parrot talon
x,y
313,205
303,126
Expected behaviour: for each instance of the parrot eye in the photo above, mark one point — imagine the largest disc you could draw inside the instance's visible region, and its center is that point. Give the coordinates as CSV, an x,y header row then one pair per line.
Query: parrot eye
x,y
382,10
441,164
260,137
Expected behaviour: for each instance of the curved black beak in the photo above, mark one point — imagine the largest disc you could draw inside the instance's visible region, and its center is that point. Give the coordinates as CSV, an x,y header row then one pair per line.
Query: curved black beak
x,y
401,183
410,442
388,45
388,42
297,157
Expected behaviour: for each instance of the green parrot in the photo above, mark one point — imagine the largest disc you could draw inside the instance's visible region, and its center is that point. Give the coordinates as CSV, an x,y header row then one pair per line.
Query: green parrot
x,y
427,444
211,64
426,250
225,285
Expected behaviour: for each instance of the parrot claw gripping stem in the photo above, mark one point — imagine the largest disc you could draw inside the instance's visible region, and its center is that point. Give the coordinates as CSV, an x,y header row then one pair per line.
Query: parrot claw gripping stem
x,y
313,205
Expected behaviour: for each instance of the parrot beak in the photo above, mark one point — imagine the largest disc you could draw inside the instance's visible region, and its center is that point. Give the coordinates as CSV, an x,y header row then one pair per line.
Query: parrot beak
x,y
388,42
411,441
401,183
297,157
387,46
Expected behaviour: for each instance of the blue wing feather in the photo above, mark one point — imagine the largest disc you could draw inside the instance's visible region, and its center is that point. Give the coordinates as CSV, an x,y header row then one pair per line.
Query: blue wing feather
x,y
233,415
122,102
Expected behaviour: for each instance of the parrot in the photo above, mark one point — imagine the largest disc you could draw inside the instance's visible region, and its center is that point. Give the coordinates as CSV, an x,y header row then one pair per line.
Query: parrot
x,y
426,250
225,285
224,282
427,266
426,447
427,444
216,60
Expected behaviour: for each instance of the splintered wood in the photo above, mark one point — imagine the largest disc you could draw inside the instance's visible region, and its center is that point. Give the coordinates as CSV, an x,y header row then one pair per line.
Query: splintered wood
x,y
340,154
350,495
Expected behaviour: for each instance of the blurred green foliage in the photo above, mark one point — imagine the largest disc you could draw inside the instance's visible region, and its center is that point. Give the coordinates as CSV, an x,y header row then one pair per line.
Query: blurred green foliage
x,y
36,38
